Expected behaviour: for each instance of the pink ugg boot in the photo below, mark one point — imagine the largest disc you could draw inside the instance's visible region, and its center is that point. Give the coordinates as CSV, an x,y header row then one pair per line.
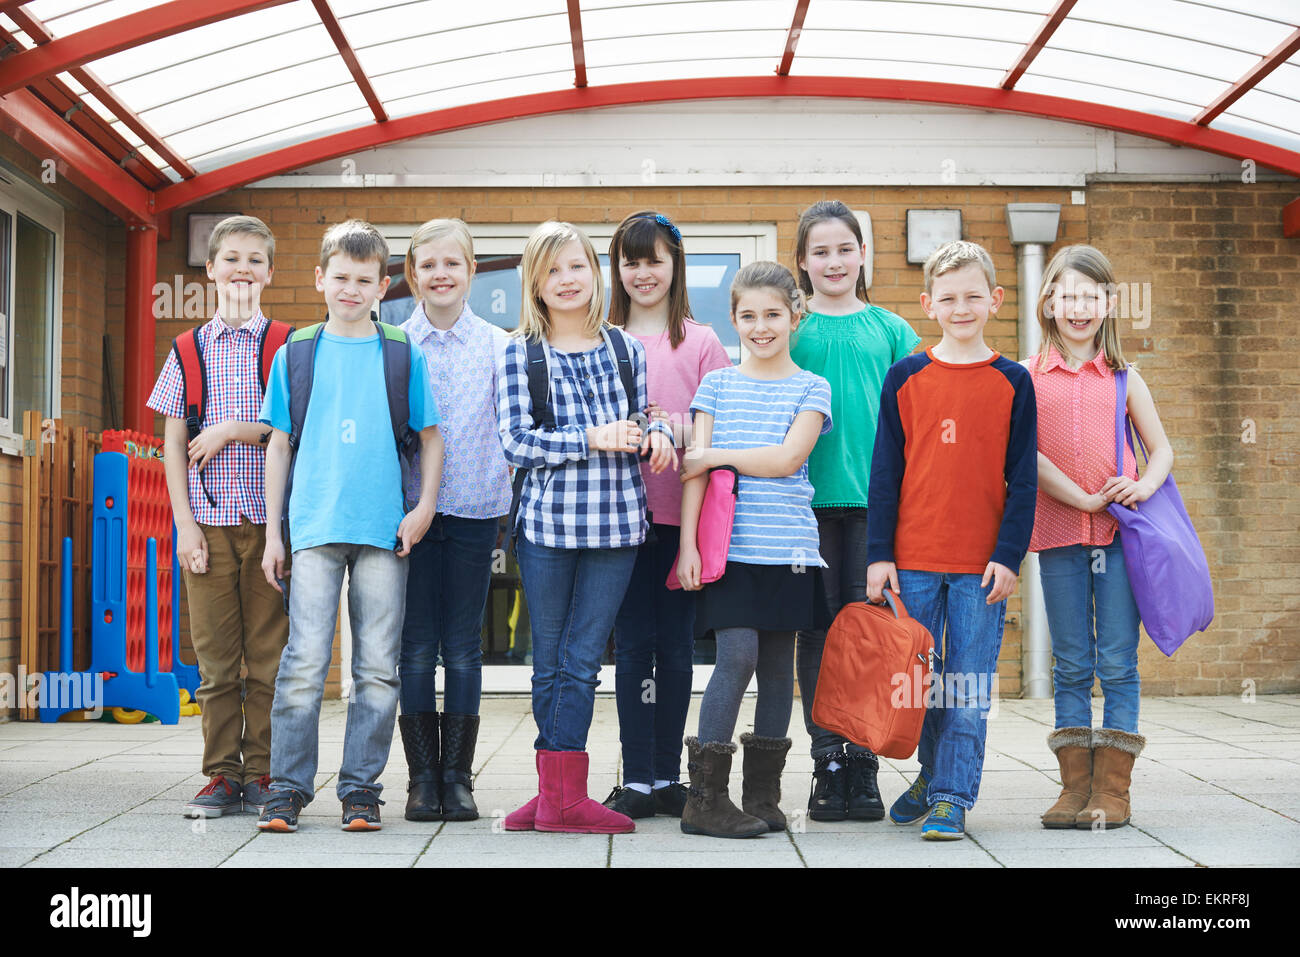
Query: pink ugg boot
x,y
522,819
563,804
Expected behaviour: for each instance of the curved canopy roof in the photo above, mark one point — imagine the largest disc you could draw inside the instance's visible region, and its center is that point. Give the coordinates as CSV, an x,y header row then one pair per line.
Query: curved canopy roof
x,y
161,104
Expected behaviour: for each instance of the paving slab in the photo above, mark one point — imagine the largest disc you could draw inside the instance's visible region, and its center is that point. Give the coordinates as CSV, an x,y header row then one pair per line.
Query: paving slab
x,y
1217,785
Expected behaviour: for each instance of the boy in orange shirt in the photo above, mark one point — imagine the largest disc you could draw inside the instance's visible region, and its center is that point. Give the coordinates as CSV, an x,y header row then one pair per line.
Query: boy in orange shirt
x,y
954,483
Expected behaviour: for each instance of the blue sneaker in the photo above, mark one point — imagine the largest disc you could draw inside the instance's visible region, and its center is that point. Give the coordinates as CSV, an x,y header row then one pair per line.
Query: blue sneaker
x,y
910,806
947,822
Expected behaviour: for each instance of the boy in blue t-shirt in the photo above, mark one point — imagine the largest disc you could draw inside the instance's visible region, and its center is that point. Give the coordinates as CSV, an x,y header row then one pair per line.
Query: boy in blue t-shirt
x,y
345,513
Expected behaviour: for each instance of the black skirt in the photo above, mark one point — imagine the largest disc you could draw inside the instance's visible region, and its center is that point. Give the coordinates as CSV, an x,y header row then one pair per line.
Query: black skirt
x,y
766,597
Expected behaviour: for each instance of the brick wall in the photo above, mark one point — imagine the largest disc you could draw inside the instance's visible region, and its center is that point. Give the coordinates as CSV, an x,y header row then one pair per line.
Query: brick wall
x,y
1221,358
1221,274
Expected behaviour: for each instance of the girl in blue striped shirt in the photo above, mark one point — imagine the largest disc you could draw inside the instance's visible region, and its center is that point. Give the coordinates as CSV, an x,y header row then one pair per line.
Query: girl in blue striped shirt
x,y
761,418
582,508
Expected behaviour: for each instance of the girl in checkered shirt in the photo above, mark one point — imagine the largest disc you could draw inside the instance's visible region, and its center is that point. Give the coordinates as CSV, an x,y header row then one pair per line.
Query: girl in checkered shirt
x,y
581,510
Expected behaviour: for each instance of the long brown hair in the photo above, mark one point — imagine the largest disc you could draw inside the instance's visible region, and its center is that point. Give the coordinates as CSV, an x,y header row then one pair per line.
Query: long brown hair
x,y
635,238
820,212
1093,264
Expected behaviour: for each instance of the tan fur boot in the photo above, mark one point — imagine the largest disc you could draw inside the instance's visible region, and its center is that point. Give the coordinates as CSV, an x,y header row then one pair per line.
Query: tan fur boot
x,y
1113,754
1073,750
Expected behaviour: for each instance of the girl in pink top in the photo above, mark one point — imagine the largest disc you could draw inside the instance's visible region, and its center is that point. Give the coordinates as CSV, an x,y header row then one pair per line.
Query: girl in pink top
x,y
1090,608
654,634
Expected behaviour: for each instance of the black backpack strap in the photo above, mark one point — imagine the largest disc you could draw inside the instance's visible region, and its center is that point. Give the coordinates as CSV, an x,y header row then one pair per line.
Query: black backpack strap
x,y
397,383
537,363
300,363
626,370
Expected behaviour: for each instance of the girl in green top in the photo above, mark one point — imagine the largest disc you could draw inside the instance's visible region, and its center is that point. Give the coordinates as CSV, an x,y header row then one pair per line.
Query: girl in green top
x,y
852,344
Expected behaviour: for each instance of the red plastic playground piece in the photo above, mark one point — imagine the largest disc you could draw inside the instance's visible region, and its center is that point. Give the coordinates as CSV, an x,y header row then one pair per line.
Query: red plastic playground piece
x,y
149,515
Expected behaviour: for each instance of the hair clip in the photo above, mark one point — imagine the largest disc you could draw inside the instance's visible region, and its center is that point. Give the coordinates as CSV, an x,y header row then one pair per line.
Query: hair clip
x,y
664,221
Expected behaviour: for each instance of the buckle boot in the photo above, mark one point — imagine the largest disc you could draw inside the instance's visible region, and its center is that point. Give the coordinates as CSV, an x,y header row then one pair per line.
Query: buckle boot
x,y
760,790
420,741
459,736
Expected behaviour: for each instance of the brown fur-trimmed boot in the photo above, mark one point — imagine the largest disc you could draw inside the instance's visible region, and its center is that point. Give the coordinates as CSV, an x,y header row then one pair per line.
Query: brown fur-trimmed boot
x,y
760,789
1113,754
1073,750
709,810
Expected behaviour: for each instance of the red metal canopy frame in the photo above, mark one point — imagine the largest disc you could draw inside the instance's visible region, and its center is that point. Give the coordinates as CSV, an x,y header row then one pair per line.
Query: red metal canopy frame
x,y
299,155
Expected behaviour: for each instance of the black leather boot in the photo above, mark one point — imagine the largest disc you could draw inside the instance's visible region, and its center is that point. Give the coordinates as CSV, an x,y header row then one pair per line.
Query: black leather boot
x,y
420,741
829,800
459,736
864,796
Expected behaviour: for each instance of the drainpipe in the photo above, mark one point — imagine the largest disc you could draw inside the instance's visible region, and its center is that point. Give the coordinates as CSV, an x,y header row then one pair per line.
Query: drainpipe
x,y
1032,228
141,274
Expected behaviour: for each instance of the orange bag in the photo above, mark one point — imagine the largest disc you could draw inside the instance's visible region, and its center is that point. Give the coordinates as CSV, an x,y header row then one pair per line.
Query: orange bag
x,y
875,677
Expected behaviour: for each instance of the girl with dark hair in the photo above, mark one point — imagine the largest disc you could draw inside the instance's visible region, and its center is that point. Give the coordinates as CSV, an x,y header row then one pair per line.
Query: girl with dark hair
x,y
654,631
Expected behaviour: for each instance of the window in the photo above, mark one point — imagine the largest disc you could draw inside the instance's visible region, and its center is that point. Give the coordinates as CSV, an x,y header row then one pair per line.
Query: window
x,y
715,253
30,283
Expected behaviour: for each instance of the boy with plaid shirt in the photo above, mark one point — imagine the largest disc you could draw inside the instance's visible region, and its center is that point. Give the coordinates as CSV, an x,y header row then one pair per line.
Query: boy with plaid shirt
x,y
217,487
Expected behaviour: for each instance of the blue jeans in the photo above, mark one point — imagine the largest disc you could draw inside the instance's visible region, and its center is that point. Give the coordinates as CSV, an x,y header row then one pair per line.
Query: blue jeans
x,y
965,663
1094,623
573,596
654,641
842,534
446,593
376,603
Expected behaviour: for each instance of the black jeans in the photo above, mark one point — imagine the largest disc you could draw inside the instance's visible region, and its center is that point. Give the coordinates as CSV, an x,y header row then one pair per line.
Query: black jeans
x,y
843,545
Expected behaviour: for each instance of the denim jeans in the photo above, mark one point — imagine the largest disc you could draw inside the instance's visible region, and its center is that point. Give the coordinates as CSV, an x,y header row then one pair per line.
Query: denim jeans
x,y
653,646
843,545
966,661
573,597
1094,623
446,593
376,604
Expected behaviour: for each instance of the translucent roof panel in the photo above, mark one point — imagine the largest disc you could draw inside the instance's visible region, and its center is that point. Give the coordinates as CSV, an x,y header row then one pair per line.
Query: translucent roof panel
x,y
242,46
617,34
425,48
268,79
62,17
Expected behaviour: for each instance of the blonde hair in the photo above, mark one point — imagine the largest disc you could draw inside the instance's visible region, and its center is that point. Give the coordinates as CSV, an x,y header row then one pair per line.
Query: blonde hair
x,y
432,230
768,275
955,255
357,240
540,251
1092,263
246,225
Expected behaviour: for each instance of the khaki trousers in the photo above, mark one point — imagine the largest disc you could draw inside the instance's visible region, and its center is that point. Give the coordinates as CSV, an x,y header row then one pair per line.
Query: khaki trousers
x,y
236,620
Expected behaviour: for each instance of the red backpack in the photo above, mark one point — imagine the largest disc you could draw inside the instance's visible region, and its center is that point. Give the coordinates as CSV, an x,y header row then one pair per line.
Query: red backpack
x,y
194,376
875,677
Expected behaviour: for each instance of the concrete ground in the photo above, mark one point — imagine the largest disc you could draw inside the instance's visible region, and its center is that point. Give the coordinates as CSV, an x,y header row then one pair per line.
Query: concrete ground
x,y
1218,785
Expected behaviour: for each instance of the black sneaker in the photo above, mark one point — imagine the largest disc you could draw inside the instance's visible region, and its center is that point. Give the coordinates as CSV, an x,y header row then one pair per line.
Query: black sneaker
x,y
280,813
631,802
221,796
864,795
829,800
671,799
361,811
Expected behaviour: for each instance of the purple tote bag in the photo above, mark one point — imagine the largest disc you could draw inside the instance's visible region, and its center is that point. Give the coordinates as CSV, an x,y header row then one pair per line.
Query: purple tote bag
x,y
1166,564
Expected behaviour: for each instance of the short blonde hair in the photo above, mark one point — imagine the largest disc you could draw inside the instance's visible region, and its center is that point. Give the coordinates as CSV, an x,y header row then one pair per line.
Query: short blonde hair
x,y
955,255
357,240
430,231
245,225
540,251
